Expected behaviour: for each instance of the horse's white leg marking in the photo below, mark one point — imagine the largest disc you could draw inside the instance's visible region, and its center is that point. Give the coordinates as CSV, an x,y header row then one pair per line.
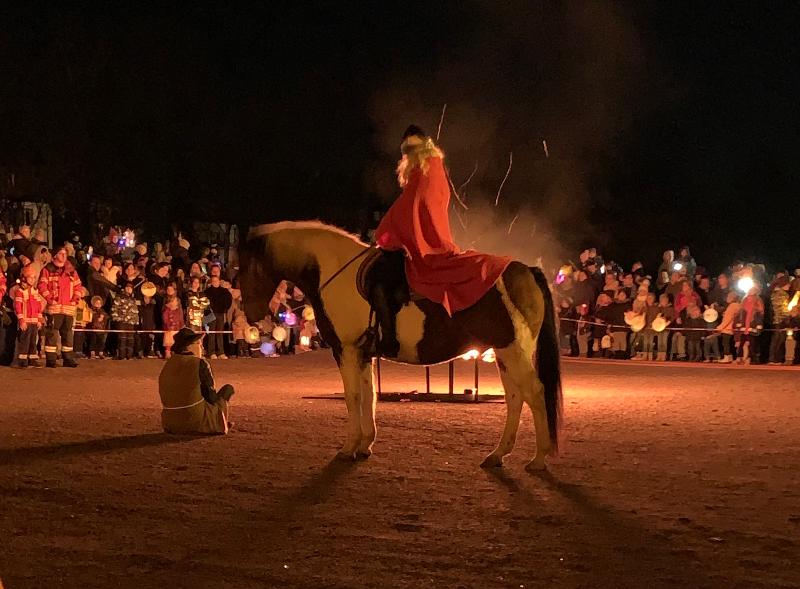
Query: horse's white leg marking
x,y
543,444
514,399
350,369
368,401
518,360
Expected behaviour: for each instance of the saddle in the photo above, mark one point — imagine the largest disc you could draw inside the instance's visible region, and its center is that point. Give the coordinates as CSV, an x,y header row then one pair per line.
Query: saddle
x,y
385,269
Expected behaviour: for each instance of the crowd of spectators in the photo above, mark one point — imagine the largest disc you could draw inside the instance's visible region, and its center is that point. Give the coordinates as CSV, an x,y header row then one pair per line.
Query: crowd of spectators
x,y
124,300
678,313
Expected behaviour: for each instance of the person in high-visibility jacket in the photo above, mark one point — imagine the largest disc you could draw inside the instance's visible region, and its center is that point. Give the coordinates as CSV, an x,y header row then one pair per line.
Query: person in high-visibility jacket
x,y
190,402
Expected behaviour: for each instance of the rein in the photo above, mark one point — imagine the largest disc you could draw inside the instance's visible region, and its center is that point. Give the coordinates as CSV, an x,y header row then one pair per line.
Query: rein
x,y
343,268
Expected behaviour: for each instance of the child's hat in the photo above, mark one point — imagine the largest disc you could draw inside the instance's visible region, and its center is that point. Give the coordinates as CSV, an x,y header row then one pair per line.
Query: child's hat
x,y
97,301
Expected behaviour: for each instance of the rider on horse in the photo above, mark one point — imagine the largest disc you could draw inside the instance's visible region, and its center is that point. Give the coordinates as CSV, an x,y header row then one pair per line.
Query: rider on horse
x,y
418,224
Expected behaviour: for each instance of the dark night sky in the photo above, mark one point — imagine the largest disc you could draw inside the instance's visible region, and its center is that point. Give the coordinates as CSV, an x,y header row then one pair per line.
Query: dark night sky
x,y
666,122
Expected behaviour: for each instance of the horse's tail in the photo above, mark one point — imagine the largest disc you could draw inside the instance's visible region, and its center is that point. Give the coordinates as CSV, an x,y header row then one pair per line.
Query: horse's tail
x,y
548,359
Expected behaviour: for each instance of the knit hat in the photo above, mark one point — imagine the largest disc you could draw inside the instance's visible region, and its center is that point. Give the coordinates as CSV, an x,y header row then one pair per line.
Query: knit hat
x,y
781,282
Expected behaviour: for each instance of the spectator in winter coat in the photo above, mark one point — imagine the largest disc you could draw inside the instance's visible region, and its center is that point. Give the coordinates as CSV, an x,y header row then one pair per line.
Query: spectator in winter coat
x,y
667,311
96,282
665,269
687,296
719,294
725,328
147,321
172,317
704,291
675,285
99,325
125,315
693,331
687,263
779,300
568,329
220,300
196,305
751,322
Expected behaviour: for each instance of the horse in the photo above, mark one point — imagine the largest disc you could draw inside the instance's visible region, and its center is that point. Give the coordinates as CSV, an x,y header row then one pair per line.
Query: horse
x,y
516,317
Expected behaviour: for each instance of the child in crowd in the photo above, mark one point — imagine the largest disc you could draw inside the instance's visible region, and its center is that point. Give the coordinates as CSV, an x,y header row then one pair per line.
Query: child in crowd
x,y
239,327
648,335
147,321
568,327
694,330
584,331
619,330
83,318
725,328
99,325
665,310
125,315
196,305
172,317
750,322
603,319
28,306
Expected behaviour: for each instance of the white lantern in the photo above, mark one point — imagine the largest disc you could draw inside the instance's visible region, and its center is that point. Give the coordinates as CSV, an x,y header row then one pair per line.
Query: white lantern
x,y
280,334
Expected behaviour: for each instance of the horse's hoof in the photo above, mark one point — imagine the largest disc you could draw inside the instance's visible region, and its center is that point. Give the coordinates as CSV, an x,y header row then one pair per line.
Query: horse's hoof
x,y
346,456
536,466
492,461
363,454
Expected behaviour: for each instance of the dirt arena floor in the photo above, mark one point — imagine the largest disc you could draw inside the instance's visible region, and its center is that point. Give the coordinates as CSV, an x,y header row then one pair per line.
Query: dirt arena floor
x,y
670,476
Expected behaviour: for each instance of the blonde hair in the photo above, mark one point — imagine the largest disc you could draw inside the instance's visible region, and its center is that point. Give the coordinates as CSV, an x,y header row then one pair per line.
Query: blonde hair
x,y
416,152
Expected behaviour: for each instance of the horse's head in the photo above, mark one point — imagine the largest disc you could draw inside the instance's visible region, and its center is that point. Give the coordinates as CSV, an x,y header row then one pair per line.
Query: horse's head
x,y
256,278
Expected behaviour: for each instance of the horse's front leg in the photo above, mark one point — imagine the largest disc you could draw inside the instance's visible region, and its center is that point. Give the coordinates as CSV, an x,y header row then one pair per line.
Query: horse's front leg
x,y
350,369
368,402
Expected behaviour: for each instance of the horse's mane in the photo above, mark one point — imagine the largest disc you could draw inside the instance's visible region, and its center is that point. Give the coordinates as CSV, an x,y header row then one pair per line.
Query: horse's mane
x,y
266,229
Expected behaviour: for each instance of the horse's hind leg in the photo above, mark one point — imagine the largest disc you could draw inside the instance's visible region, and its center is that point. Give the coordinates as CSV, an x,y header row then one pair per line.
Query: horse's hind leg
x,y
350,369
368,402
544,446
514,398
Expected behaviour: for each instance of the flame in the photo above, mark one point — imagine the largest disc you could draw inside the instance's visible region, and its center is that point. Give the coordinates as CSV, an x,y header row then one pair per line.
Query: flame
x,y
794,301
471,355
489,356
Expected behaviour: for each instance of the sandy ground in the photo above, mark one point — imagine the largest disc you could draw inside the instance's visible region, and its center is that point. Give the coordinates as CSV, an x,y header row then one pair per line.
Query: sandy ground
x,y
669,477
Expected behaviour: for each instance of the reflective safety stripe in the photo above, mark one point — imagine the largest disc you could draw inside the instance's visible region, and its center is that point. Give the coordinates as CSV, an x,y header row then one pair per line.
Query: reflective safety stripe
x,y
50,349
23,356
65,349
184,407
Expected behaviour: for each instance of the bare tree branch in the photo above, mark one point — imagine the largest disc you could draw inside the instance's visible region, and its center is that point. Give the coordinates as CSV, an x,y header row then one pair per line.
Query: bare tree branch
x,y
508,171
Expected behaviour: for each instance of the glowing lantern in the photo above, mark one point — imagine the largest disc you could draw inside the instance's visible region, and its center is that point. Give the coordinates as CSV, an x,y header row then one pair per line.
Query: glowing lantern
x,y
710,315
745,283
251,335
489,355
268,349
280,334
290,319
305,340
795,299
789,333
308,313
677,266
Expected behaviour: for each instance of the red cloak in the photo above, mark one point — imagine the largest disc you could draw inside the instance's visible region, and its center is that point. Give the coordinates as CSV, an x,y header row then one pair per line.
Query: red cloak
x,y
418,223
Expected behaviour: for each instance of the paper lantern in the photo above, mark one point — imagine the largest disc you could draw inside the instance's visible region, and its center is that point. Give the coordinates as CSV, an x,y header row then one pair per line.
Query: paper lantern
x,y
149,289
305,340
710,315
280,334
659,324
308,313
251,335
638,323
268,349
290,319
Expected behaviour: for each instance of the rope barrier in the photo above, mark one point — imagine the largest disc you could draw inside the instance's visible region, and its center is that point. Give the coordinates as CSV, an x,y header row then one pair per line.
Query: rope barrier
x,y
612,326
138,331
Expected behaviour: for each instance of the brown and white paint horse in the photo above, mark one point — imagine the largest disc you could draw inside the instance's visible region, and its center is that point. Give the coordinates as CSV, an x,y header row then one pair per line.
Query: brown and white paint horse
x,y
516,318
